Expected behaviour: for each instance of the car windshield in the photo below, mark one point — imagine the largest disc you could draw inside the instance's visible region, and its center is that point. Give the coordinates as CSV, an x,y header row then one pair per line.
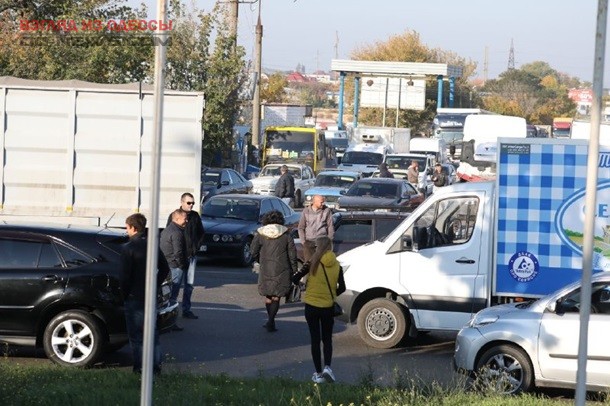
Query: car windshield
x,y
211,178
372,189
275,171
362,158
341,181
337,142
223,207
403,162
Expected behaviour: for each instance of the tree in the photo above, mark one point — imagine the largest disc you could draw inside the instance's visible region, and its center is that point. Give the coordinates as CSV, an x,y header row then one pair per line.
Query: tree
x,y
273,89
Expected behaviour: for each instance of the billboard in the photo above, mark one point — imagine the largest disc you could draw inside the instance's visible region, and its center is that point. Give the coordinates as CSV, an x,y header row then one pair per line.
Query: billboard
x,y
389,92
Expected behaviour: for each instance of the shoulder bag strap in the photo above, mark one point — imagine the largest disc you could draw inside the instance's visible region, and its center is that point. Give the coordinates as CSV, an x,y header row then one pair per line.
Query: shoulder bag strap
x,y
327,282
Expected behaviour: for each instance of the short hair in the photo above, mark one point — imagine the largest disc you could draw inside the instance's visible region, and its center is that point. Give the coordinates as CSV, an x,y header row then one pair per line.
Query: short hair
x,y
137,221
178,212
438,165
284,168
187,194
273,217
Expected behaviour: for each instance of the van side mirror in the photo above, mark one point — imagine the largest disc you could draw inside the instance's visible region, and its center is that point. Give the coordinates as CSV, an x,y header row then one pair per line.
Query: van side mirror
x,y
407,243
420,238
342,192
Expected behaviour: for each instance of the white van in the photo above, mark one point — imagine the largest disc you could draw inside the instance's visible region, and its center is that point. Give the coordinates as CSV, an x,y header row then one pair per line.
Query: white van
x,y
364,158
430,146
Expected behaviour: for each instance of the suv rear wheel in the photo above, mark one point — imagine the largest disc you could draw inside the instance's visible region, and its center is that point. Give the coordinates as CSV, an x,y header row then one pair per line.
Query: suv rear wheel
x,y
73,338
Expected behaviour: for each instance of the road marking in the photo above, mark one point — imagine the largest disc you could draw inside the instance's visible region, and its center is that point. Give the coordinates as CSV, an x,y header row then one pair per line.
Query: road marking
x,y
226,309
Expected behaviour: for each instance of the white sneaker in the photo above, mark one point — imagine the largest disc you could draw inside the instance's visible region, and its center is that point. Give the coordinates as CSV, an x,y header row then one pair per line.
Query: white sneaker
x,y
318,378
328,375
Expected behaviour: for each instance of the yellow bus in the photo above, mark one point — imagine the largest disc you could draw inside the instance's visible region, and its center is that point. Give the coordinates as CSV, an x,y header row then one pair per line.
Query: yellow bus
x,y
294,144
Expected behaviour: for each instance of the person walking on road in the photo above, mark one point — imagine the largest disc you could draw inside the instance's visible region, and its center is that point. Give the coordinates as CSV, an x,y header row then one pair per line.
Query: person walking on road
x,y
439,179
274,249
173,246
193,237
133,288
284,188
324,282
316,221
413,173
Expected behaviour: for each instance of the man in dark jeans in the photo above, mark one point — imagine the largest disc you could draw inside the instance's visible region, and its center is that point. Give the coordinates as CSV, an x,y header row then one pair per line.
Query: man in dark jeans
x,y
284,188
193,237
133,287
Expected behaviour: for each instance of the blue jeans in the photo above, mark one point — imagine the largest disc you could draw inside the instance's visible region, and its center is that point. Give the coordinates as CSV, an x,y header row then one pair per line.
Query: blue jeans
x,y
179,278
134,317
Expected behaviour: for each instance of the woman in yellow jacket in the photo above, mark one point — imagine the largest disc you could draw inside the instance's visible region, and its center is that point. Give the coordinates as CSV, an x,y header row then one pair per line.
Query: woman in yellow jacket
x,y
324,283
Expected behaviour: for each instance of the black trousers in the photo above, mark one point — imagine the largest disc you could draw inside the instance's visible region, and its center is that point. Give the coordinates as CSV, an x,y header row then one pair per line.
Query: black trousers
x,y
320,321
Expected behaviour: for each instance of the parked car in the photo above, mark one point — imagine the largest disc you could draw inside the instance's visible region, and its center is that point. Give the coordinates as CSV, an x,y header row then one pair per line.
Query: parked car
x,y
304,178
218,181
518,346
353,229
59,290
330,184
380,194
230,222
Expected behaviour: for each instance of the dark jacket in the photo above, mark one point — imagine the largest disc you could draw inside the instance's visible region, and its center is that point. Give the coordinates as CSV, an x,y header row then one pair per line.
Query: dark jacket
x,y
193,232
439,178
274,249
385,173
133,268
285,186
173,246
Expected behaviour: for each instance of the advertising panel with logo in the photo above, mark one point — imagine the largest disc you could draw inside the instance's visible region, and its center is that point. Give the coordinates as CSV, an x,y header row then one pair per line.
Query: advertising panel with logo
x,y
540,214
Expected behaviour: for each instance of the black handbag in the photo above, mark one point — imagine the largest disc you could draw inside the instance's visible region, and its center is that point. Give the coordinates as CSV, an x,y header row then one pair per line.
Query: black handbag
x,y
337,309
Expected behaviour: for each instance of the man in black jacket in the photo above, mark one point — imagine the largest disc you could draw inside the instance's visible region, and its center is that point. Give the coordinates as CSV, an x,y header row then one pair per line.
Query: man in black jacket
x,y
133,288
173,245
284,188
193,237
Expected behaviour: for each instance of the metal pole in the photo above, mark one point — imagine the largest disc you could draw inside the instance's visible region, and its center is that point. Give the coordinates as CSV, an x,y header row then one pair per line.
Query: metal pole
x,y
341,102
256,102
398,103
439,95
590,201
385,102
356,99
150,307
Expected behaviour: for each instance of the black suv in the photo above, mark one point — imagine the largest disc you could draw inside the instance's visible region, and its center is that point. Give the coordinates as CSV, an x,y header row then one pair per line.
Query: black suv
x,y
59,289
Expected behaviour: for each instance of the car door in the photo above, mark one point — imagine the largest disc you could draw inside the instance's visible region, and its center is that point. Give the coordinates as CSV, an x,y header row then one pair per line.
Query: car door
x,y
445,271
32,275
559,338
351,233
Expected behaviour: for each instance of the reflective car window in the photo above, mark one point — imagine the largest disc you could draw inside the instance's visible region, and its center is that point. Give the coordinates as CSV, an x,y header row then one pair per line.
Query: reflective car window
x,y
71,257
27,254
266,206
224,177
383,227
353,231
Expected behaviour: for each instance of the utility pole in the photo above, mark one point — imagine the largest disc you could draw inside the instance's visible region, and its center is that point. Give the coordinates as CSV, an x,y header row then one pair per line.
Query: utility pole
x,y
486,65
233,17
511,56
336,44
256,102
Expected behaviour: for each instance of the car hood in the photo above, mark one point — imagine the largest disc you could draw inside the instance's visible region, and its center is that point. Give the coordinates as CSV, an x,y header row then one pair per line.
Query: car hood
x,y
360,255
208,188
368,201
265,181
227,226
325,191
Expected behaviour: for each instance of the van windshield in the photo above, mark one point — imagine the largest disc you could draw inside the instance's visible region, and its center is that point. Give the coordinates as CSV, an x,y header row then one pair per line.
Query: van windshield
x,y
362,158
403,162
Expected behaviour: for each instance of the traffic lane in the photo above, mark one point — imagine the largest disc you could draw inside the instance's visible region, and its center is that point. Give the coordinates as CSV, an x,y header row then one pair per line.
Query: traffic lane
x,y
228,338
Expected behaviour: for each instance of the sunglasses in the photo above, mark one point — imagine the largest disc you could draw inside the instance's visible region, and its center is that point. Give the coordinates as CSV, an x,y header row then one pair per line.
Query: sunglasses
x,y
190,203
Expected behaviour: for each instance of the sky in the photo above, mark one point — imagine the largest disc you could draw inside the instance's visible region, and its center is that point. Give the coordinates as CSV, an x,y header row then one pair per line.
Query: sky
x,y
559,32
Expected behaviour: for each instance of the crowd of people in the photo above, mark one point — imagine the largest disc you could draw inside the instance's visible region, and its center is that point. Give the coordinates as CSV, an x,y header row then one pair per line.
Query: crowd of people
x,y
272,247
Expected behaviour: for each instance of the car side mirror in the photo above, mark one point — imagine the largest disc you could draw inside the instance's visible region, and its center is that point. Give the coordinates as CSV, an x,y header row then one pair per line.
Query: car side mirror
x,y
342,192
223,183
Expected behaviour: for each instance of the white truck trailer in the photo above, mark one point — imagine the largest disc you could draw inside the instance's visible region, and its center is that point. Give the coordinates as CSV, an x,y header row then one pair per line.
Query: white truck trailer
x,y
80,153
477,244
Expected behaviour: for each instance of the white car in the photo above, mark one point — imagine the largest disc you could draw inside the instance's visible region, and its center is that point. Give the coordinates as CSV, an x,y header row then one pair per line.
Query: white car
x,y
517,346
304,179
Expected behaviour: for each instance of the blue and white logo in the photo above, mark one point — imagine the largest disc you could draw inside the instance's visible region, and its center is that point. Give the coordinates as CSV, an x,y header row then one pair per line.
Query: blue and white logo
x,y
523,266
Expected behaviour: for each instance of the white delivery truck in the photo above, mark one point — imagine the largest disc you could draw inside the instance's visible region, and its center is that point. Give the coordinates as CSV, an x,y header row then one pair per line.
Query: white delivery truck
x,y
581,130
430,146
477,244
481,132
80,153
368,147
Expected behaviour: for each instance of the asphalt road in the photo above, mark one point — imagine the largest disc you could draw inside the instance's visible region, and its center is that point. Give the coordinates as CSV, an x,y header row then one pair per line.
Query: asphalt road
x,y
228,338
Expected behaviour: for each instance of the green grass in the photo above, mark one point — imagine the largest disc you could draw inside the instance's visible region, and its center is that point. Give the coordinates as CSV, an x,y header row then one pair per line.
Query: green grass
x,y
51,385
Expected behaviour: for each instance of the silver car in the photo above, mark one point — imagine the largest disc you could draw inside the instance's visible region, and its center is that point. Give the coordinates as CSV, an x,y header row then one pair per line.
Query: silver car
x,y
514,347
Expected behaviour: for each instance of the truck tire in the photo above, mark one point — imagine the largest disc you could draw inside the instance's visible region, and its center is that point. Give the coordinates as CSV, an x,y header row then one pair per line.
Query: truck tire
x,y
74,338
505,369
382,323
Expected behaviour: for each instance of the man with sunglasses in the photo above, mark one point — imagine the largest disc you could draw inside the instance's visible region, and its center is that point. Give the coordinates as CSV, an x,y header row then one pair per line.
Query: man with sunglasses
x,y
193,235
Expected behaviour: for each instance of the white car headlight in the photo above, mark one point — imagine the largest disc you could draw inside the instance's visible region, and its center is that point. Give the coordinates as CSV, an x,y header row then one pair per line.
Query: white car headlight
x,y
308,197
481,320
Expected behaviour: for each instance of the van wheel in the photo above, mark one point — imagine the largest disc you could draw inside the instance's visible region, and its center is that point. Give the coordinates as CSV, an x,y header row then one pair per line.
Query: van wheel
x,y
74,338
382,323
504,369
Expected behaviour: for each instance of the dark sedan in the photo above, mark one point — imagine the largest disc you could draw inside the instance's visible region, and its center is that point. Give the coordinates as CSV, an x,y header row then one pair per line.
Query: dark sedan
x,y
220,181
230,222
381,194
59,290
353,229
